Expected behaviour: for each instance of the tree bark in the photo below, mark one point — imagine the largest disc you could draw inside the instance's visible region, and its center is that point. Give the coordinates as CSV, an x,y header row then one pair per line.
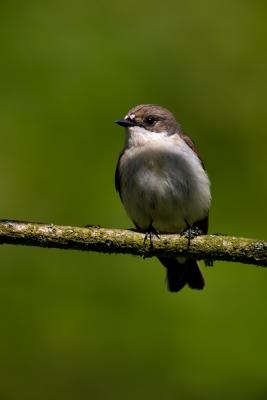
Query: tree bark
x,y
102,240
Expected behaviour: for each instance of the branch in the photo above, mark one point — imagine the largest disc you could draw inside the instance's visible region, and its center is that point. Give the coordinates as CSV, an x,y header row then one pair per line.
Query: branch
x,y
208,247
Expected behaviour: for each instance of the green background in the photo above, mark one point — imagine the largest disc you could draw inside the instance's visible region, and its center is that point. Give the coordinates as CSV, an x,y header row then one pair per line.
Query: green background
x,y
80,325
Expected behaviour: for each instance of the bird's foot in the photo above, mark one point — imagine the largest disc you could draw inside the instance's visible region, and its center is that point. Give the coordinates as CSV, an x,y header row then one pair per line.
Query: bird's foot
x,y
190,233
150,234
209,263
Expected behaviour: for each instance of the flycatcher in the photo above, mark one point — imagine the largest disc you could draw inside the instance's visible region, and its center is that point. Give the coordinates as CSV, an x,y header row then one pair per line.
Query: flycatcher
x,y
163,185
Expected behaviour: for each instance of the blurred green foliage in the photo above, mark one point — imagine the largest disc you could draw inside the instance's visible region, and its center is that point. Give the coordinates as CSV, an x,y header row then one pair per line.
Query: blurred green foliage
x,y
76,325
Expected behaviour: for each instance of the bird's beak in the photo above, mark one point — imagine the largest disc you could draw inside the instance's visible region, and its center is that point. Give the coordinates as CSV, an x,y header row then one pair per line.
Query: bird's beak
x,y
124,122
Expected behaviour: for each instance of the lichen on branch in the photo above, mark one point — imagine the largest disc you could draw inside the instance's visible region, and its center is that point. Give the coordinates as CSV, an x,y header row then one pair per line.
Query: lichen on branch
x,y
120,241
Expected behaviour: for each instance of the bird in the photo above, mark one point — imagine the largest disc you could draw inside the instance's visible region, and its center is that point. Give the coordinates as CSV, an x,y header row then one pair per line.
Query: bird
x,y
163,185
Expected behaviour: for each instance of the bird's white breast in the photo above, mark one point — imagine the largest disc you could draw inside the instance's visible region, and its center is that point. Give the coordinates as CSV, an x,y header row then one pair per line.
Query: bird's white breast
x,y
162,182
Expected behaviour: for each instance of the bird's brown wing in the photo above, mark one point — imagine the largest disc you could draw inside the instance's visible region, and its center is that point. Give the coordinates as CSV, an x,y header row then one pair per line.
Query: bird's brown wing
x,y
118,175
192,146
204,223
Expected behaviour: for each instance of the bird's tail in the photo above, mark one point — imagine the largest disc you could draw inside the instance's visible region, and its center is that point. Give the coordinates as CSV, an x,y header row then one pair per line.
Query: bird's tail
x,y
181,272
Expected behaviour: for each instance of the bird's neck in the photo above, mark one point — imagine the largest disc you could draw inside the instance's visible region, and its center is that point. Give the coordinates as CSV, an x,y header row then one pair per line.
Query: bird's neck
x,y
139,137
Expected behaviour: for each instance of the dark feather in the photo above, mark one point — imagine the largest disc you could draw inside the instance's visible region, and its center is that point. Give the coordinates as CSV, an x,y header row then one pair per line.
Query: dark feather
x,y
180,274
202,225
118,175
192,146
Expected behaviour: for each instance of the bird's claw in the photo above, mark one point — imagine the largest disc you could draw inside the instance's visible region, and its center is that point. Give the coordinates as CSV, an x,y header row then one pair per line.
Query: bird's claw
x,y
150,234
190,233
209,263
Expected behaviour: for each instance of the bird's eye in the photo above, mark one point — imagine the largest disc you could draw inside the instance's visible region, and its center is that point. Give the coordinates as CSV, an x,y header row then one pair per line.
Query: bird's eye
x,y
150,120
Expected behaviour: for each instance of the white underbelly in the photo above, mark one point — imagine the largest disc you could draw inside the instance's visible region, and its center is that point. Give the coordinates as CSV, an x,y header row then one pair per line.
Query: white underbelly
x,y
166,190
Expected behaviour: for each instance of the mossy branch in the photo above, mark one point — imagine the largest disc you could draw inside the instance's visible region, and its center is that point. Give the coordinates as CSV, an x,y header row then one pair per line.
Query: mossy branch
x,y
209,247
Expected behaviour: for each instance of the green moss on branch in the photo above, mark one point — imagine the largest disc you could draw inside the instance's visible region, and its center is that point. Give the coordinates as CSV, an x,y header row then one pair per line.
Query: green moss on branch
x,y
209,247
